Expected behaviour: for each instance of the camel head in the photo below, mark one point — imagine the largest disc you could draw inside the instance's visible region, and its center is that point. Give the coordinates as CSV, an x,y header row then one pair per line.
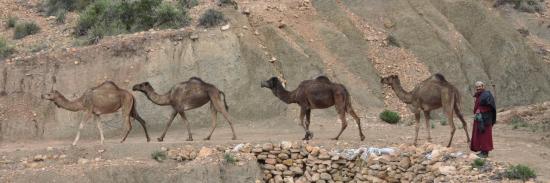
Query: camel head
x,y
390,79
271,83
145,86
52,95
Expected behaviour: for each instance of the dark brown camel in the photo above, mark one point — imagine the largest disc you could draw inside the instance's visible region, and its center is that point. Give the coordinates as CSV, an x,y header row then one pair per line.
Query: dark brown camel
x,y
432,93
188,95
318,93
103,99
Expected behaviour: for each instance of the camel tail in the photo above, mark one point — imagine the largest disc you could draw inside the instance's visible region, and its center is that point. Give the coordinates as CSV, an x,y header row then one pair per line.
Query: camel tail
x,y
440,77
224,102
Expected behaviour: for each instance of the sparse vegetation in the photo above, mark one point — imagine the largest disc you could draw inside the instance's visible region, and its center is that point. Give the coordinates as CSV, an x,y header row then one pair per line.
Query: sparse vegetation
x,y
38,47
211,18
11,22
229,158
60,17
105,18
521,172
530,6
53,7
5,49
517,123
159,156
24,29
442,119
188,3
392,41
390,116
478,163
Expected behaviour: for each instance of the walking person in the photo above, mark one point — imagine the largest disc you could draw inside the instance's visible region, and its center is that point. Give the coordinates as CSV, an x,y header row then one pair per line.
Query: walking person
x,y
484,119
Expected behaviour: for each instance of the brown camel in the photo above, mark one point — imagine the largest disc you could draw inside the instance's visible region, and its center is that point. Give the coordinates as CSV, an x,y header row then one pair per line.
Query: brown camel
x,y
188,95
318,93
103,99
432,93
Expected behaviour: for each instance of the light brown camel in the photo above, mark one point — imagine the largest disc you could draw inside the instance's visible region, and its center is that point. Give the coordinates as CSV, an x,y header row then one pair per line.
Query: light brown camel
x,y
103,99
432,93
318,93
188,95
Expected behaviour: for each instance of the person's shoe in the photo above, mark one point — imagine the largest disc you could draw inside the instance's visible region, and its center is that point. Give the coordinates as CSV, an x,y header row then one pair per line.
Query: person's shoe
x,y
482,155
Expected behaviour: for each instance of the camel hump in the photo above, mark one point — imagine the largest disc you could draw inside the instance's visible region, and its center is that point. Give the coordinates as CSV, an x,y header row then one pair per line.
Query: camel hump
x,y
440,77
107,84
323,79
196,79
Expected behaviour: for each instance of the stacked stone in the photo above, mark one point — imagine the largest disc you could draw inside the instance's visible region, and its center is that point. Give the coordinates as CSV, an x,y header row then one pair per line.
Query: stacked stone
x,y
182,154
293,162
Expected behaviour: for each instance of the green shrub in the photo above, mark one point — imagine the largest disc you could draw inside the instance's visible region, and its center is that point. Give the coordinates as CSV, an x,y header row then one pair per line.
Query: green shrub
x,y
229,158
60,17
442,119
106,18
520,172
478,163
211,18
390,116
5,49
52,7
167,16
11,22
187,3
24,29
159,156
530,6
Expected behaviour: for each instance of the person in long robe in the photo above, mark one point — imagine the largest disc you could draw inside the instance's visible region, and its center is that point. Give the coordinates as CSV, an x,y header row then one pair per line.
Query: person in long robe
x,y
484,119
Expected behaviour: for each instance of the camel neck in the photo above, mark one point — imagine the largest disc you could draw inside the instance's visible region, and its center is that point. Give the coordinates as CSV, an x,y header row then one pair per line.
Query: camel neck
x,y
283,94
156,98
403,95
64,103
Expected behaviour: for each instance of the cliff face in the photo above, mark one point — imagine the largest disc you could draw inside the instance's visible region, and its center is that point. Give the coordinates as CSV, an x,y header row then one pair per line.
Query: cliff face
x,y
346,41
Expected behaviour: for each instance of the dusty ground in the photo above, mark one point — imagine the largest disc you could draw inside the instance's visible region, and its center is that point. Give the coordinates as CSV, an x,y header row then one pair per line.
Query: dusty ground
x,y
511,145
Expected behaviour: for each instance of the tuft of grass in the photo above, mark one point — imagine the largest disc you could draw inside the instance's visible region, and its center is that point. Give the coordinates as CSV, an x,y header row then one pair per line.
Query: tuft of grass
x,y
390,116
159,156
5,49
11,22
25,29
60,17
478,163
521,172
518,122
229,158
442,119
211,18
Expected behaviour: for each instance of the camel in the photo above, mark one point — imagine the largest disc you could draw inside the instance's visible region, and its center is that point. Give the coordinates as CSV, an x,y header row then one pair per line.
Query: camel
x,y
188,95
432,93
318,93
105,98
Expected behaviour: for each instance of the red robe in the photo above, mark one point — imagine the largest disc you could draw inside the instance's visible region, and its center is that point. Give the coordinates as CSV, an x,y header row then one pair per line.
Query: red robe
x,y
481,141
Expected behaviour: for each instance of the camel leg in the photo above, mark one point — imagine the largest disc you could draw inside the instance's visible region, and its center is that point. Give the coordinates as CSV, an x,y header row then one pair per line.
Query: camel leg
x,y
128,127
342,115
172,116
220,108
357,120
80,126
417,126
452,124
303,123
307,122
214,117
136,116
427,118
100,128
187,125
464,124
